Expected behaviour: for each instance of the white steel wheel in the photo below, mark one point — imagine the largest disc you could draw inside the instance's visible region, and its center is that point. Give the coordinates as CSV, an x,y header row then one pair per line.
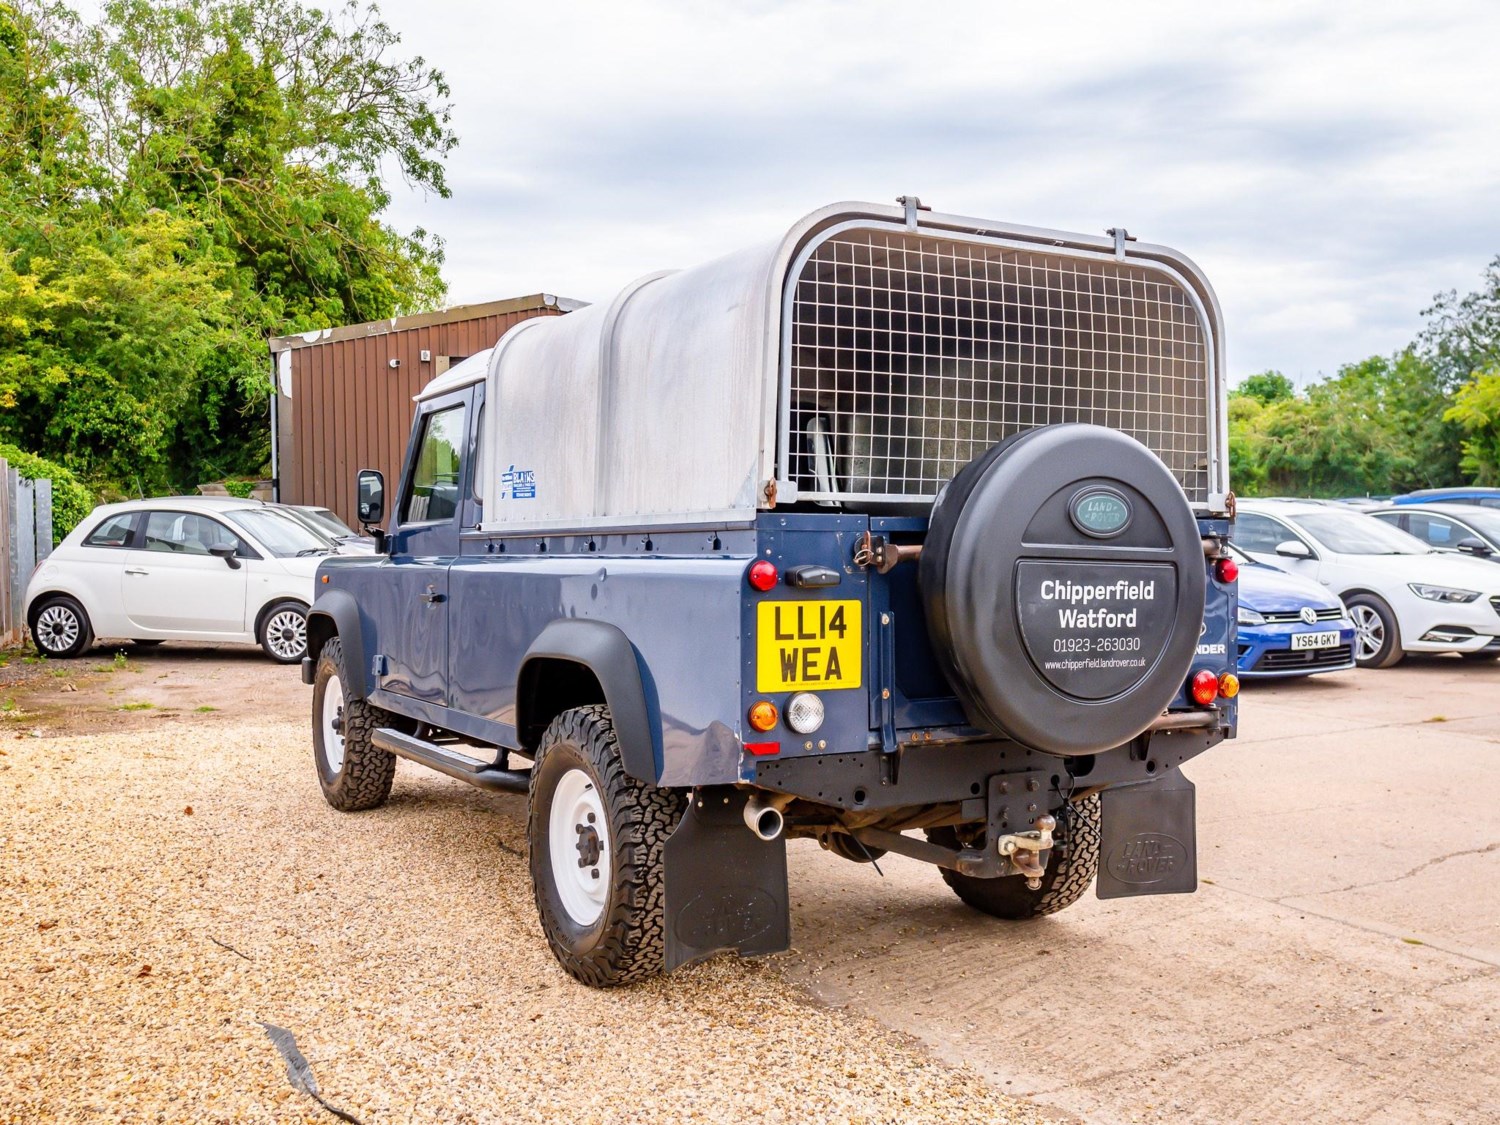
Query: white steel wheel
x,y
578,847
284,633
332,720
353,772
1369,632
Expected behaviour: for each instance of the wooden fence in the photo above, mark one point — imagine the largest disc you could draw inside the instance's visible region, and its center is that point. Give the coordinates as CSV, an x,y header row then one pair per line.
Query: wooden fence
x,y
26,539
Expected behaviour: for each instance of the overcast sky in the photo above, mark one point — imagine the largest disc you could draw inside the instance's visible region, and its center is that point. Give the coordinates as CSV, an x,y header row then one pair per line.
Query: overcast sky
x,y
1330,166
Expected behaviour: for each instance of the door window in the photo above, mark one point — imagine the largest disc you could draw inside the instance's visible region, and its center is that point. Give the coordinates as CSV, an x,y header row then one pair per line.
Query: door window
x,y
113,532
433,493
1260,534
184,533
1436,530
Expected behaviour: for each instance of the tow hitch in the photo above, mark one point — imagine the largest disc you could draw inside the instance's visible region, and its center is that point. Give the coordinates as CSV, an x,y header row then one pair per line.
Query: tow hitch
x,y
1027,851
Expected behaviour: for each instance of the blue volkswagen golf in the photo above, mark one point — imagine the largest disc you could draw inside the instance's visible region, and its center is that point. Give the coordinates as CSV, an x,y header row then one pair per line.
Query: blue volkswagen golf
x,y
1289,626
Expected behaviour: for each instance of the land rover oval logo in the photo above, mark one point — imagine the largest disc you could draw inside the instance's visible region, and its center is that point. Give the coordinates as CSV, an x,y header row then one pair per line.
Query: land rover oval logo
x,y
1146,858
1102,513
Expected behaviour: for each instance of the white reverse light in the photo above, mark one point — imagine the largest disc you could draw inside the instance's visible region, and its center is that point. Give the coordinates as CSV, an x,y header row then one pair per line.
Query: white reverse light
x,y
804,712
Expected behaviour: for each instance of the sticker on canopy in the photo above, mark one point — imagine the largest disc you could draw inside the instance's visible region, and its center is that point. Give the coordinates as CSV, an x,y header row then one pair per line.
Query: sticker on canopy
x,y
1093,630
518,484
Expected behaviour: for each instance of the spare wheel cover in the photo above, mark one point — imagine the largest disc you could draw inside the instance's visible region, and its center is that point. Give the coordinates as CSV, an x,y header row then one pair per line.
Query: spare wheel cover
x,y
1063,582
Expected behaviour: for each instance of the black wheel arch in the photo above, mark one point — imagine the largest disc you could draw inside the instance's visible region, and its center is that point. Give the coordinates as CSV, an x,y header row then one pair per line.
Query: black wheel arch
x,y
575,663
335,613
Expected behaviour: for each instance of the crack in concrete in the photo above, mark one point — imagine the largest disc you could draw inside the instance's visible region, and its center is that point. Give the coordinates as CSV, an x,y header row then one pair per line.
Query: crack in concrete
x,y
1417,870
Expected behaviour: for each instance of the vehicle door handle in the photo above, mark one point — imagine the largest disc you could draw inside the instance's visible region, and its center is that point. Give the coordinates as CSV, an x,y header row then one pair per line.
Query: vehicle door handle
x,y
433,598
135,570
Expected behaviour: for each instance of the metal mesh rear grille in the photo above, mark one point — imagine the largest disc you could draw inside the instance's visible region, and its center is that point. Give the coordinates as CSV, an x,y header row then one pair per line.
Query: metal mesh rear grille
x,y
910,355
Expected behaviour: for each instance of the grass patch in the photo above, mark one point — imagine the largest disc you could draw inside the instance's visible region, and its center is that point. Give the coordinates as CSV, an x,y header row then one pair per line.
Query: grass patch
x,y
1413,941
140,706
1437,719
8,705
205,709
120,662
60,673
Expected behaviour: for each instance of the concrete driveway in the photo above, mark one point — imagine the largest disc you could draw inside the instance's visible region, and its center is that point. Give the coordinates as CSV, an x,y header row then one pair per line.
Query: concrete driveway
x,y
1340,963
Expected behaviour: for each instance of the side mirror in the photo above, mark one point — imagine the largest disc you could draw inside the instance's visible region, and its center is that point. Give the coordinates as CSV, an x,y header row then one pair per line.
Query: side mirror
x,y
370,493
228,552
1294,549
1475,546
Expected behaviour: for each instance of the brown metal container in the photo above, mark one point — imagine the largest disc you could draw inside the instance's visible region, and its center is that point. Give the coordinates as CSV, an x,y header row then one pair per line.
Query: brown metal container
x,y
343,396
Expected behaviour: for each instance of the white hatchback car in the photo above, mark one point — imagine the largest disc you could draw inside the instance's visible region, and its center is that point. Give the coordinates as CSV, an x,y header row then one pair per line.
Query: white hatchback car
x,y
179,568
1402,595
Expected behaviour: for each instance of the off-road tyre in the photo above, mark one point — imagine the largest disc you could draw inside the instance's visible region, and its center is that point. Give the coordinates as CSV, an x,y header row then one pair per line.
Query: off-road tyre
x,y
1367,608
362,779
627,942
1070,869
282,632
60,628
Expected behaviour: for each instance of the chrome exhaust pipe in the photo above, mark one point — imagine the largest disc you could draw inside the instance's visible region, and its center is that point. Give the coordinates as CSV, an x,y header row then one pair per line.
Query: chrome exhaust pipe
x,y
764,819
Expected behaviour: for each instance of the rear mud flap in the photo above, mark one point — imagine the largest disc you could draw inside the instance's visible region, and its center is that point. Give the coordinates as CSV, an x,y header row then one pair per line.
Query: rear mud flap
x,y
1150,844
726,888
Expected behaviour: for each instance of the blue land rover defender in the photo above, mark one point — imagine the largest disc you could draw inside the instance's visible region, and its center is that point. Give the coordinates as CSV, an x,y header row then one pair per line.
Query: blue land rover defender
x,y
904,532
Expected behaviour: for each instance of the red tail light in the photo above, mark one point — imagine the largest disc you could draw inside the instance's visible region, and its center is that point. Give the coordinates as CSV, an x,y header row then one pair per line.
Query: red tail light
x,y
1205,687
1227,570
762,575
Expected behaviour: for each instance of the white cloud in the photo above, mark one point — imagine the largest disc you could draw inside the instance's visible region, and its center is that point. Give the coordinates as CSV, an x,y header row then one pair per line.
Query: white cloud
x,y
1331,166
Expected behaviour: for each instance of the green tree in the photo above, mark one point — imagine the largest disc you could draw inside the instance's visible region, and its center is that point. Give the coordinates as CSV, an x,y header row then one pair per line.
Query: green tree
x,y
1462,336
1476,408
106,344
1266,387
1375,426
177,181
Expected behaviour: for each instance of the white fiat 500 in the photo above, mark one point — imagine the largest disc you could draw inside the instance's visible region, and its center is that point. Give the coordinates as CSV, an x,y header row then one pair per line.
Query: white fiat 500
x,y
1402,595
180,568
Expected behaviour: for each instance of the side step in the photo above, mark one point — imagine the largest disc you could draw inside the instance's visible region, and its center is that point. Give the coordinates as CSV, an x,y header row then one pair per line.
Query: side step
x,y
451,762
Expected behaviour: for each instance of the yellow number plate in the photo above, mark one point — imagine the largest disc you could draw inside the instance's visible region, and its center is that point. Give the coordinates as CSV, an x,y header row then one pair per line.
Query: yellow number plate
x,y
808,646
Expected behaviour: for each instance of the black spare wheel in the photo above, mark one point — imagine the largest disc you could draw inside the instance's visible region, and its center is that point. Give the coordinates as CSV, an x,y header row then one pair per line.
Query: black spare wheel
x,y
1063,581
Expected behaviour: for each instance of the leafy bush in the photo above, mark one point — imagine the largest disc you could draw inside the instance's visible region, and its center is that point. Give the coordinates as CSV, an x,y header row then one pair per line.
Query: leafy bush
x,y
71,501
239,488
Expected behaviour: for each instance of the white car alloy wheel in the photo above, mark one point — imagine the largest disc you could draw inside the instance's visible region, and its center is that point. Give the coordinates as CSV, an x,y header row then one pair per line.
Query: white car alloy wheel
x,y
578,847
286,634
1369,631
333,726
57,628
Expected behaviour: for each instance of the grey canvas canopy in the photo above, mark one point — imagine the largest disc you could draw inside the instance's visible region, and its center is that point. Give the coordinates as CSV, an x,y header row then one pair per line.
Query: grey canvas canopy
x,y
856,362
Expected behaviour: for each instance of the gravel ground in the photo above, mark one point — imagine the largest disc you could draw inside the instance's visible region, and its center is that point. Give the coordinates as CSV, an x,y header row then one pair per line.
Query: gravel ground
x,y
163,891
